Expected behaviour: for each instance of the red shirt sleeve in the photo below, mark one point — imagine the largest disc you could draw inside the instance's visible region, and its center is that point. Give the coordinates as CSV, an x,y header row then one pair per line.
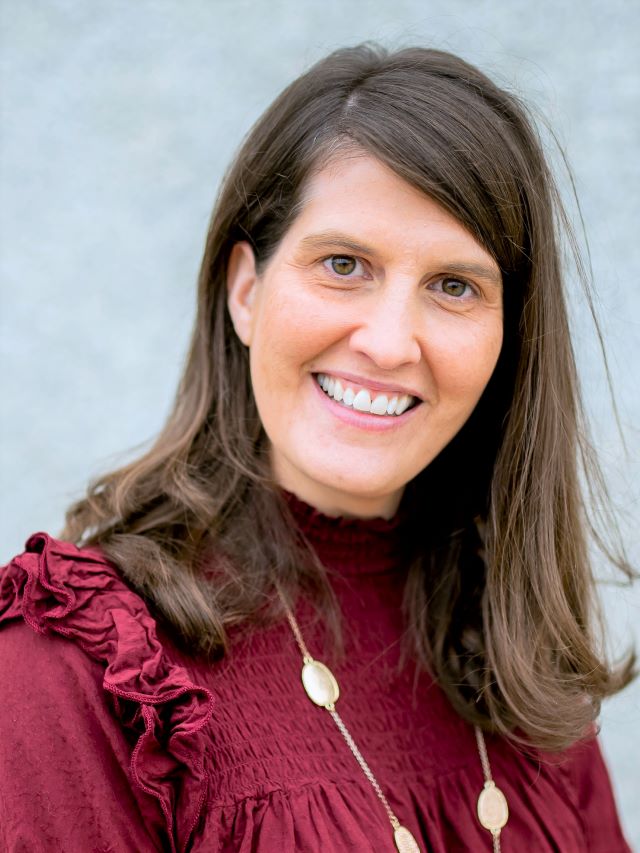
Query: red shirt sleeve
x,y
594,798
101,732
64,758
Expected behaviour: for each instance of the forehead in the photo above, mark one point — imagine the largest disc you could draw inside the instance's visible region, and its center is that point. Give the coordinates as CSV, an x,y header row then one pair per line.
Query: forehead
x,y
356,193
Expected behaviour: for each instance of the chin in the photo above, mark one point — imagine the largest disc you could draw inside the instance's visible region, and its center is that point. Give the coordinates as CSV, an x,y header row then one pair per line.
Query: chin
x,y
362,486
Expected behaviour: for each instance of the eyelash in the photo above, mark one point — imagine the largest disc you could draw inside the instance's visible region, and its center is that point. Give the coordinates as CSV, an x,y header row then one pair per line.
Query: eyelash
x,y
326,262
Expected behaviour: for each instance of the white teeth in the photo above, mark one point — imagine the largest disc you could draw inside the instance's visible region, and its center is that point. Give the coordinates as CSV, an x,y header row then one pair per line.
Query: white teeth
x,y
402,404
379,405
362,401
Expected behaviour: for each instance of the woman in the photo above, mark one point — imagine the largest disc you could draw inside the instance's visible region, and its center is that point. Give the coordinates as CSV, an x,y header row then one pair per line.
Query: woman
x,y
372,461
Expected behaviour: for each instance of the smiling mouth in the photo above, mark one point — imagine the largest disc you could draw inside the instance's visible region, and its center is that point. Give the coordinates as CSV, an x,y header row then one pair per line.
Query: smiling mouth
x,y
364,400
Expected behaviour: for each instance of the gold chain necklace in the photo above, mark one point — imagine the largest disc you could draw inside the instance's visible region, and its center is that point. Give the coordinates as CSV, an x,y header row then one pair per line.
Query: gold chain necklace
x,y
322,688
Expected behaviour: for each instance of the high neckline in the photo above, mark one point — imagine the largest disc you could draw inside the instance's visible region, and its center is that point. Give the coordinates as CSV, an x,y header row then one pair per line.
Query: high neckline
x,y
352,546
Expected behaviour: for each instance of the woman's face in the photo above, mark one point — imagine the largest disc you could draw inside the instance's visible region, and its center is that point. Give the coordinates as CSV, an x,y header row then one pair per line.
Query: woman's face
x,y
373,331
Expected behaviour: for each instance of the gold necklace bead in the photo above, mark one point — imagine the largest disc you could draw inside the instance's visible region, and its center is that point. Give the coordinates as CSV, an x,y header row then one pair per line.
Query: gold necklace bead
x,y
320,683
405,842
493,811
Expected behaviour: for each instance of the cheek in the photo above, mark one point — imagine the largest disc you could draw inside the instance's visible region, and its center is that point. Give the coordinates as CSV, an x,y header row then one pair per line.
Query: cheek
x,y
463,359
291,330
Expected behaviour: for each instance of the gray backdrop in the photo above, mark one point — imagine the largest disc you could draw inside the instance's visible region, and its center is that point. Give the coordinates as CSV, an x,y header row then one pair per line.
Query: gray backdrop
x,y
117,122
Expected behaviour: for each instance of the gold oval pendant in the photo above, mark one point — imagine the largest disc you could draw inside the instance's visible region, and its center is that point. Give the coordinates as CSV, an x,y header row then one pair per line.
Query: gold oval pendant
x,y
493,811
319,683
405,842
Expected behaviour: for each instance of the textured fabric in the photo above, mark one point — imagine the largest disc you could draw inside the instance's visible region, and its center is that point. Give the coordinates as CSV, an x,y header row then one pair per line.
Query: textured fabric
x,y
111,740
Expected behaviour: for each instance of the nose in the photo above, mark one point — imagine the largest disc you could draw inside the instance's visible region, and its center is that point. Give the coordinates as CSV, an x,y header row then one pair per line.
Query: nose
x,y
388,329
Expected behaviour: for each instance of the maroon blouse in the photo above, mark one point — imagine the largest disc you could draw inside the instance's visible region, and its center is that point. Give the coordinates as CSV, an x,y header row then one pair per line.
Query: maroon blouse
x,y
112,741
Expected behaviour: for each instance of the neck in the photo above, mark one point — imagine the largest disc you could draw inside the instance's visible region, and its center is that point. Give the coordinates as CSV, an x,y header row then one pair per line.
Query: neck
x,y
333,502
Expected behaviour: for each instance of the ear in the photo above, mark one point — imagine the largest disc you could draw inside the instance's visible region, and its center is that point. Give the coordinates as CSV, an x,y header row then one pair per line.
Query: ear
x,y
242,281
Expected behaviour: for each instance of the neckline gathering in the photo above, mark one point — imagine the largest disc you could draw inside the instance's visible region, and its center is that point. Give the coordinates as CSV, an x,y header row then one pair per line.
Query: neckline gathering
x,y
349,545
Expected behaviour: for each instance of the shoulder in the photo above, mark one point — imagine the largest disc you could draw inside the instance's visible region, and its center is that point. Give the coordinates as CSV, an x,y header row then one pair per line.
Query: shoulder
x,y
78,644
588,774
589,785
57,588
62,592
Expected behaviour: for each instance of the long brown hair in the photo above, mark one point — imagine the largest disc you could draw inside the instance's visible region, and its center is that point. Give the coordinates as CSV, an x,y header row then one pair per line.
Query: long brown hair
x,y
500,598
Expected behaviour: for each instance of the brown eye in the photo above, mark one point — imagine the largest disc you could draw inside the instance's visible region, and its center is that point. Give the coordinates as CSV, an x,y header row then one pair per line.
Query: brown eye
x,y
343,264
454,287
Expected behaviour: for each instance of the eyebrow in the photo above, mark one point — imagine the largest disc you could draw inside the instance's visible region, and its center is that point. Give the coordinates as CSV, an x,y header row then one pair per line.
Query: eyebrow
x,y
334,238
489,274
328,239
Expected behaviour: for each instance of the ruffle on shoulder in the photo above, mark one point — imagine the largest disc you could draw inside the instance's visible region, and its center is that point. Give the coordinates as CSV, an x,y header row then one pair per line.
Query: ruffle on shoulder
x,y
59,589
